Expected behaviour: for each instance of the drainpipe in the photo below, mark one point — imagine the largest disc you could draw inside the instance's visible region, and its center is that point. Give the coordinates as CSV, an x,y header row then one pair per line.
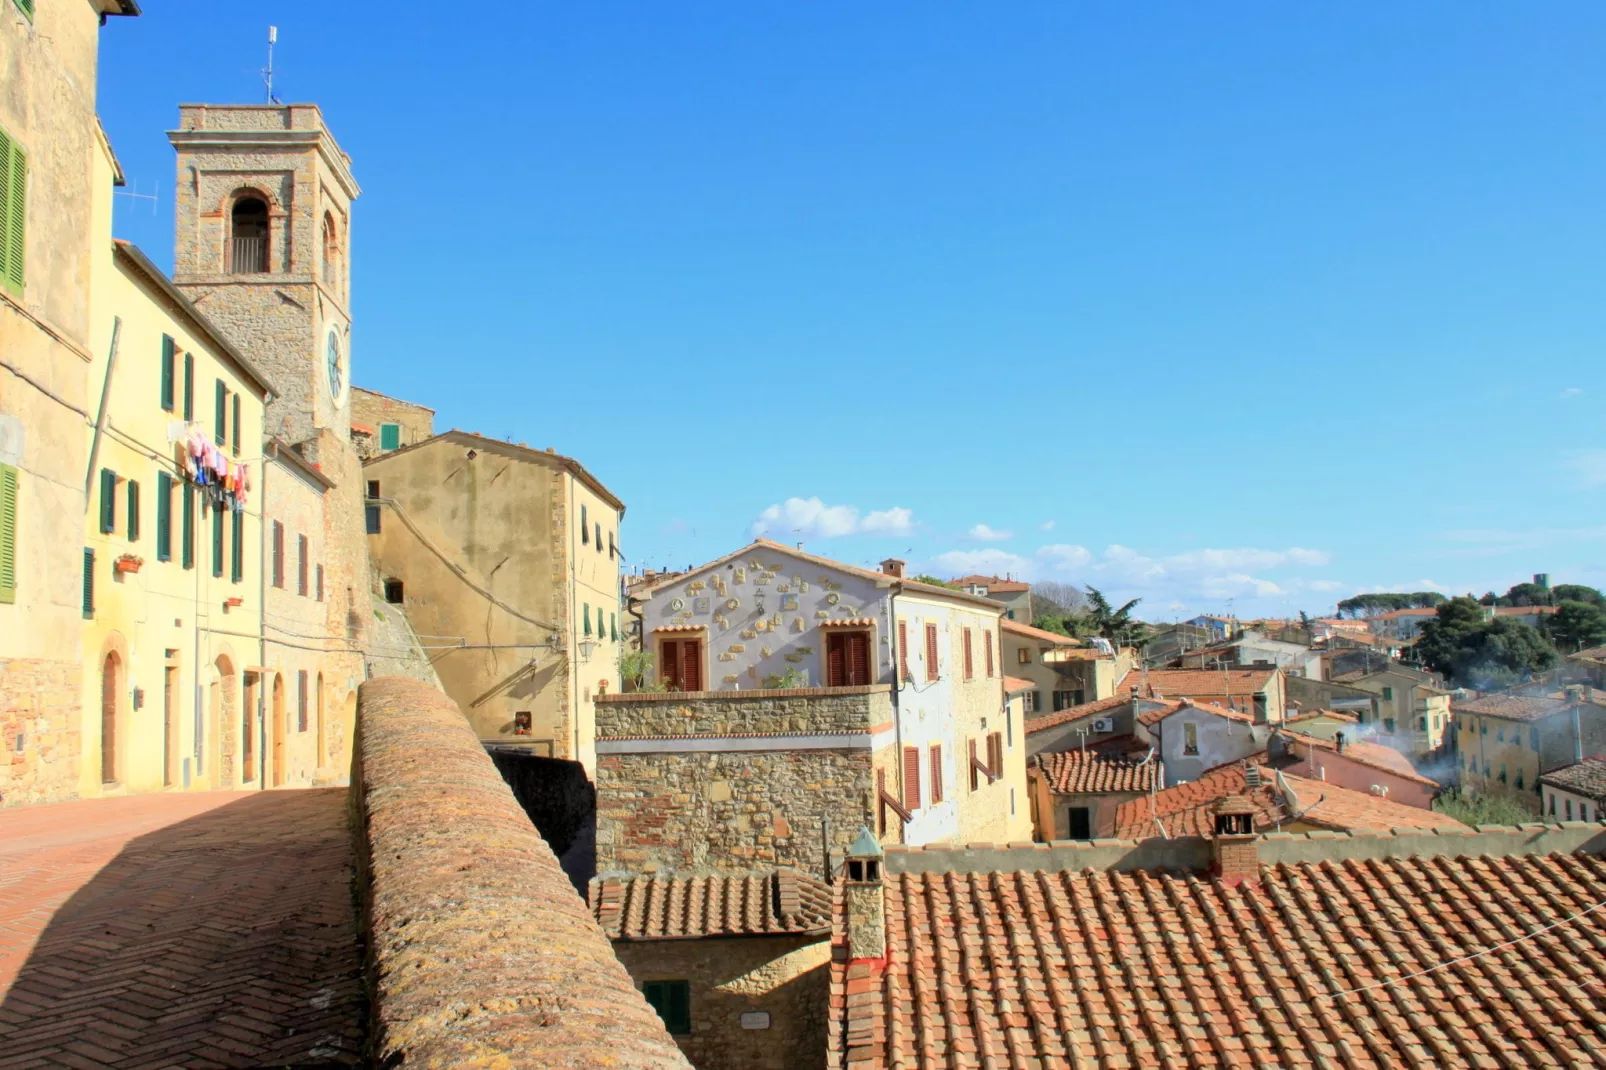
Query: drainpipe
x,y
260,714
1578,736
897,688
100,420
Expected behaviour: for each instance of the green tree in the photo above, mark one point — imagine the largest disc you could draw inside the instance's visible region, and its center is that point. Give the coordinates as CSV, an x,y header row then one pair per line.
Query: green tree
x,y
1475,652
1116,625
1577,625
934,581
1486,809
1366,605
1055,623
1577,592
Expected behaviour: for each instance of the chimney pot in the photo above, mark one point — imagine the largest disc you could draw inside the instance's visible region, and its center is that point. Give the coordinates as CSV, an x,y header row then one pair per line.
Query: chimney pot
x,y
893,567
1338,740
862,895
1235,849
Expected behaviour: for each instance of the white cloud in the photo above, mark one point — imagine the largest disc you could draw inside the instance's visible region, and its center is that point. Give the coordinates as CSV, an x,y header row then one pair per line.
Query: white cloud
x,y
1047,525
1571,392
985,562
811,518
1587,466
1063,557
1324,585
984,533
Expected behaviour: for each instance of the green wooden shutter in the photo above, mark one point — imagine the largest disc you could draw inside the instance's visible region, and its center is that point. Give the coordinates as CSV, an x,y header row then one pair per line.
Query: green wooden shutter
x,y
672,1001
237,556
167,372
8,533
222,434
189,386
16,236
164,517
108,501
89,583
585,615
5,210
234,428
389,436
613,627
217,541
133,511
26,7
187,536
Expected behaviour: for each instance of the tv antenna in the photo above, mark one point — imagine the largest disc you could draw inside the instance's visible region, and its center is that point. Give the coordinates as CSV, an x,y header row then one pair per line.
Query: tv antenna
x,y
267,72
135,194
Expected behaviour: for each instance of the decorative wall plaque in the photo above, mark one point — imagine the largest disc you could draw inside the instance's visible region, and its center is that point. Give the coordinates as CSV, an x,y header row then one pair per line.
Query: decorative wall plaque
x,y
788,602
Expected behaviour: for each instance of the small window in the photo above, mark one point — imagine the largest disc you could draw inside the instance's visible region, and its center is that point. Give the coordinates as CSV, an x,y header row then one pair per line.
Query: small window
x,y
585,616
1023,656
1388,724
1421,724
187,533
1518,782
523,723
1552,804
613,627
373,488
598,542
370,518
169,373
987,641
394,593
1483,728
1031,702
133,511
1500,734
585,527
1388,694
1533,739
108,501
1010,613
613,551
389,436
1190,738
1502,772
1569,809
672,1001
222,413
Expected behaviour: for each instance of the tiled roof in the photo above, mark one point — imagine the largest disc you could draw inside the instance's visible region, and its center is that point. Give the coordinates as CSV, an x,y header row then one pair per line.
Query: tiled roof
x,y
1524,611
993,584
1015,627
1182,683
1076,713
780,902
1013,684
1074,771
1594,653
1156,714
1188,809
1360,964
1376,755
1586,778
1510,707
1331,715
1396,614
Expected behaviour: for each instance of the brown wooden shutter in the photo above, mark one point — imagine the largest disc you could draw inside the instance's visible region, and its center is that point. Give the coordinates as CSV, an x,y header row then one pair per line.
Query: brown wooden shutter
x,y
931,652
858,658
836,671
995,753
911,778
970,663
669,664
903,650
988,643
972,765
278,554
936,773
691,665
301,565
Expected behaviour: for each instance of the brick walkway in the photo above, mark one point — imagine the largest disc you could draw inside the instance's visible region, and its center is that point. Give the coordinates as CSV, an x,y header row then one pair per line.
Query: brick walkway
x,y
180,930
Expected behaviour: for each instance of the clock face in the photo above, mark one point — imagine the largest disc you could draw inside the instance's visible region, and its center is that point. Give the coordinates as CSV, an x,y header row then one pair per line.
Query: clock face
x,y
337,368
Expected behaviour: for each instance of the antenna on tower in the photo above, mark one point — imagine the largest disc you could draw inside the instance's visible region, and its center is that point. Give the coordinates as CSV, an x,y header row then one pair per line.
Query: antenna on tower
x,y
267,72
135,194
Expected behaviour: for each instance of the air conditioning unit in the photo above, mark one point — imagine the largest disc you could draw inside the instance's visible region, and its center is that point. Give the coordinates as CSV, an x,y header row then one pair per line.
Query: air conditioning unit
x,y
1103,724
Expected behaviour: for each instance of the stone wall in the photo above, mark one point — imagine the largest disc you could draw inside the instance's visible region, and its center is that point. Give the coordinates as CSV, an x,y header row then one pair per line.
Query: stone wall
x,y
372,409
38,709
821,710
481,953
786,977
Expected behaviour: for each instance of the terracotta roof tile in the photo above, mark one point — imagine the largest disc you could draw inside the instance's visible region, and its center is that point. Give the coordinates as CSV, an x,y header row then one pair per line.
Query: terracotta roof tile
x,y
1361,964
1076,713
1014,684
1077,771
1015,627
1184,683
1156,714
1512,707
1586,778
1376,755
780,902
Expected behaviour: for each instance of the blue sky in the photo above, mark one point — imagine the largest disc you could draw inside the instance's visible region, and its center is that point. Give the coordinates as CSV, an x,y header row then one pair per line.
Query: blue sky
x,y
1251,302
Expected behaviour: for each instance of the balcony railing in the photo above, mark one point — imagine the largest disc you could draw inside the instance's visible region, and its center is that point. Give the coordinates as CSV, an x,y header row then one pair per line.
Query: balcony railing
x,y
248,256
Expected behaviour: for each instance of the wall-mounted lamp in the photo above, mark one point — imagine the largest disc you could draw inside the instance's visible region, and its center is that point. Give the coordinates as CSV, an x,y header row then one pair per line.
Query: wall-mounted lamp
x,y
586,647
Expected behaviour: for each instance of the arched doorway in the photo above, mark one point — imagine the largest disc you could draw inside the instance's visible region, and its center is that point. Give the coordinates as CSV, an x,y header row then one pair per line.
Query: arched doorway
x,y
323,741
110,688
278,729
248,236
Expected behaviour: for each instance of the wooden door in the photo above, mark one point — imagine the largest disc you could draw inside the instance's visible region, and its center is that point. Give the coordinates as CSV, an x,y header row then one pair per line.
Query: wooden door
x,y
108,720
681,664
847,659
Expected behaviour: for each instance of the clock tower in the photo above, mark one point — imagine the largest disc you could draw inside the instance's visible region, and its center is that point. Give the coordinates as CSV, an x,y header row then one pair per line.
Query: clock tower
x,y
263,225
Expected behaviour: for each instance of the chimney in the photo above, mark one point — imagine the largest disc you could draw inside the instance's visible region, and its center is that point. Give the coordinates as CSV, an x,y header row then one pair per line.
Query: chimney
x,y
893,567
1338,741
862,896
1235,850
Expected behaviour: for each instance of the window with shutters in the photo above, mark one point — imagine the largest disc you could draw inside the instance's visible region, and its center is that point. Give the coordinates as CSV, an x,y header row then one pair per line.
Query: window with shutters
x,y
8,534
995,753
302,585
911,778
613,627
133,511
585,527
164,517
234,428
301,700
903,650
672,1001
189,387
1023,656
221,434
970,662
186,535
217,541
169,373
931,652
1190,738
26,7
936,773
612,550
601,616
89,584
13,203
278,555
389,436
237,549
847,659
680,664
320,583
108,501
585,617
987,641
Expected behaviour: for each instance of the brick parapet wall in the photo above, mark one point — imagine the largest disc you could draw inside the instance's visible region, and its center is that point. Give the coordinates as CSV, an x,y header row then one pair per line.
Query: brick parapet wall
x,y
481,953
824,710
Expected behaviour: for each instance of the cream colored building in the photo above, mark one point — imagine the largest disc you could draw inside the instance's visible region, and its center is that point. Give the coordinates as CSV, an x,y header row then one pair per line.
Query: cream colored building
x,y
172,597
54,228
506,560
